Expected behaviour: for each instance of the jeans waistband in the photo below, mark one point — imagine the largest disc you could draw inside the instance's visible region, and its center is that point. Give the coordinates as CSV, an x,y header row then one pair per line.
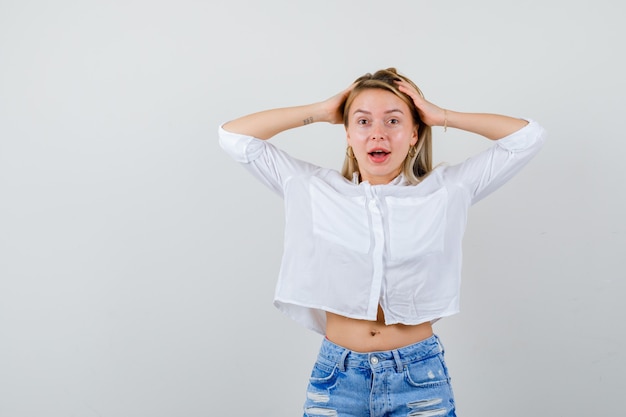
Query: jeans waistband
x,y
345,358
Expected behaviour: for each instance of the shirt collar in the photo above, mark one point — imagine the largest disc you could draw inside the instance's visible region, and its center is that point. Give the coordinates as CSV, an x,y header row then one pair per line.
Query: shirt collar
x,y
399,180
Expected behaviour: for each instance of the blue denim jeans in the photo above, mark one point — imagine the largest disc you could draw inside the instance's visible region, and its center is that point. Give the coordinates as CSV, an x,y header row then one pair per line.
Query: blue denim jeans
x,y
411,381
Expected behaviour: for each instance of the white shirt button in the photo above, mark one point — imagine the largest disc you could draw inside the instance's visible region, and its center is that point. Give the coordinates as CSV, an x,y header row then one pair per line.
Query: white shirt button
x,y
374,360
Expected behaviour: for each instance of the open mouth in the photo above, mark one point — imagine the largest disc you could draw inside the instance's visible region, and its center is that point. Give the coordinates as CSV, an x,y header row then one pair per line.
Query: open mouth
x,y
378,155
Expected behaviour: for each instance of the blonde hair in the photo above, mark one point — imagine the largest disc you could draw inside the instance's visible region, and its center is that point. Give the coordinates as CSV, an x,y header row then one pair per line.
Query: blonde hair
x,y
415,166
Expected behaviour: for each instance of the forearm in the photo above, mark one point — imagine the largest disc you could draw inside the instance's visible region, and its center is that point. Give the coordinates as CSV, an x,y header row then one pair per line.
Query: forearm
x,y
268,123
491,126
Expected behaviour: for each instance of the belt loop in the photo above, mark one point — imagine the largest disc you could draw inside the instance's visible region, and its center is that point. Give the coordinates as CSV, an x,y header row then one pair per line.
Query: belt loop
x,y
342,360
440,344
396,357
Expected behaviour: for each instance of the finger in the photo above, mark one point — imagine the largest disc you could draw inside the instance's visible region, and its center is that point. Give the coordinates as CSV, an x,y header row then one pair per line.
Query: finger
x,y
408,87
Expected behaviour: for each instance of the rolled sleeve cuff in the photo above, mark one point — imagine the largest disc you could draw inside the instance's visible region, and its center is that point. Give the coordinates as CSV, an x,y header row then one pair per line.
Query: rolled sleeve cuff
x,y
241,148
527,137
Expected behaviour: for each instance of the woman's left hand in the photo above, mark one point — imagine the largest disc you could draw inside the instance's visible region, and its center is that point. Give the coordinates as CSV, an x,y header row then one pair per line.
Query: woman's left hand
x,y
430,114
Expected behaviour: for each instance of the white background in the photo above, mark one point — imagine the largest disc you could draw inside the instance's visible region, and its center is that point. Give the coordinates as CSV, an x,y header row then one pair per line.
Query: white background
x,y
138,262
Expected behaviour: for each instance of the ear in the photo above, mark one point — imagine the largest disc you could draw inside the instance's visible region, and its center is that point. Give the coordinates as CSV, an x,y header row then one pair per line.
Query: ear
x,y
415,135
348,138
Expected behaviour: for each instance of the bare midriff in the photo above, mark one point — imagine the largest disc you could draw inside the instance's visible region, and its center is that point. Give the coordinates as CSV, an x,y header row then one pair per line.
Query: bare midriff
x,y
371,336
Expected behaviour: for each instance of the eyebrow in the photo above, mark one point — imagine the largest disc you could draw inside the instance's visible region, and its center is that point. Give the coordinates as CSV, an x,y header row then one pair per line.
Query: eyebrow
x,y
386,112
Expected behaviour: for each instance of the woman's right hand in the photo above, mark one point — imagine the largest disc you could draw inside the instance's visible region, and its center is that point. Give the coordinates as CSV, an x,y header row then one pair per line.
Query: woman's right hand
x,y
335,104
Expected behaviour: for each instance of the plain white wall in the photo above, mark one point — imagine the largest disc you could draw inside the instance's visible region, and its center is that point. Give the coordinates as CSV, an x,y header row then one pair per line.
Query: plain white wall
x,y
138,262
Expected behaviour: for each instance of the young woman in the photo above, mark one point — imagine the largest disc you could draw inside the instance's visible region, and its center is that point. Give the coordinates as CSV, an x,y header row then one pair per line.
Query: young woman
x,y
373,254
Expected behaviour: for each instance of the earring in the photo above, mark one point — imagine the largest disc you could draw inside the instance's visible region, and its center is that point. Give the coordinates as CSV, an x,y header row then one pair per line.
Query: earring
x,y
350,152
412,151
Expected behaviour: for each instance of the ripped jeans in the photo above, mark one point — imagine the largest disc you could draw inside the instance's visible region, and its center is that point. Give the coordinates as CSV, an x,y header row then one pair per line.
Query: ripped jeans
x,y
411,381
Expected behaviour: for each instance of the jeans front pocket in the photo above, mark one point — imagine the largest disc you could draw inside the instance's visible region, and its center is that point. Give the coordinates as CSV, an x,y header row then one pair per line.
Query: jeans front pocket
x,y
323,376
318,397
429,372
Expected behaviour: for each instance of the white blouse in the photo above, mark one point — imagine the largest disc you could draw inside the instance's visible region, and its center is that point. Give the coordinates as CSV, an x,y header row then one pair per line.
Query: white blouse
x,y
352,246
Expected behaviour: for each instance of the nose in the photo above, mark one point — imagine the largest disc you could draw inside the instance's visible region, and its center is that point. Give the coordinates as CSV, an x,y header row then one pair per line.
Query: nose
x,y
378,131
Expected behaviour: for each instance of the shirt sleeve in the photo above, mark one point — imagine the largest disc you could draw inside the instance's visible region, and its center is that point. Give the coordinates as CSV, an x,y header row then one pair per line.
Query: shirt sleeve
x,y
487,171
272,166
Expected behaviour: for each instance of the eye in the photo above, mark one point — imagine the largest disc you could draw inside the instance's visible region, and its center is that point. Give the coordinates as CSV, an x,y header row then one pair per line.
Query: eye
x,y
393,121
362,121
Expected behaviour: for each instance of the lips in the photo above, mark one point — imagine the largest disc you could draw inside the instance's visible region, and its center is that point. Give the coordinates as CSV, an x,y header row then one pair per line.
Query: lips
x,y
378,154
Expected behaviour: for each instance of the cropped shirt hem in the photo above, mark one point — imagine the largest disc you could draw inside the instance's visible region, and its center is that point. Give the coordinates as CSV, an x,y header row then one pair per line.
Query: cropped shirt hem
x,y
313,317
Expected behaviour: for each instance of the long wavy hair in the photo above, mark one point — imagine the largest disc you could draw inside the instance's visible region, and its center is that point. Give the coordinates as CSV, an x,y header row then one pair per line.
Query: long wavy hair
x,y
417,164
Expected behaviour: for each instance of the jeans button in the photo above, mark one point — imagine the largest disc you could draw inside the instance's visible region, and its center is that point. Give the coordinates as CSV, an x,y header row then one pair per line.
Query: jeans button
x,y
374,360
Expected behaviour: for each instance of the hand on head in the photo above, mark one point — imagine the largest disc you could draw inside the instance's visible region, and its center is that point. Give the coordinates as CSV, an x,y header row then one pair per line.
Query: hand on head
x,y
335,104
430,114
